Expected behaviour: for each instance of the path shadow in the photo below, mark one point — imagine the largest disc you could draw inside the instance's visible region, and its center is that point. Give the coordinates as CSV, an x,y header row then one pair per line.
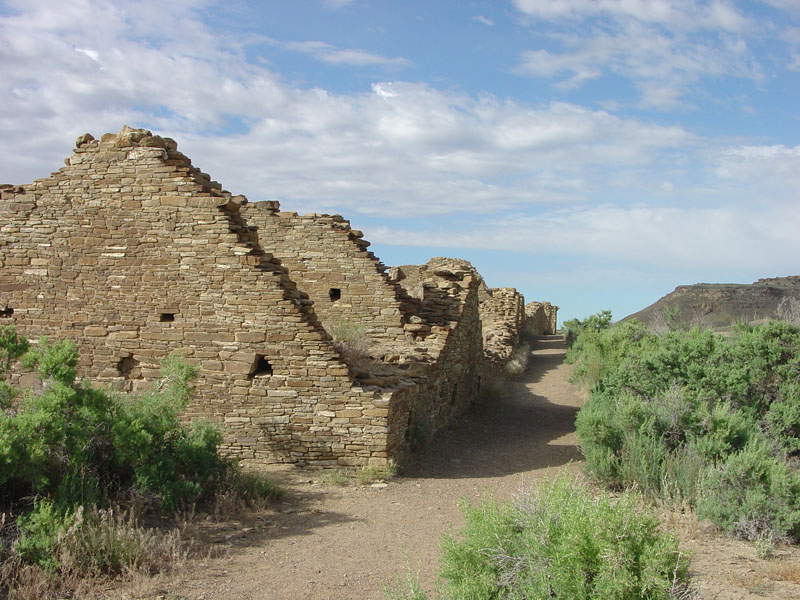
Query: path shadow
x,y
519,431
297,514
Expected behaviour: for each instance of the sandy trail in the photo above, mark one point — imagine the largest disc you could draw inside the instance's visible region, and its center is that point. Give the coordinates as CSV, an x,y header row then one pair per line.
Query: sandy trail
x,y
329,542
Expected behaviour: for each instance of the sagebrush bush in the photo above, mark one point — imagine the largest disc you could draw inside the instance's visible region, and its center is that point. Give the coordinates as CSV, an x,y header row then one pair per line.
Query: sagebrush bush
x,y
70,454
753,492
77,444
560,541
670,412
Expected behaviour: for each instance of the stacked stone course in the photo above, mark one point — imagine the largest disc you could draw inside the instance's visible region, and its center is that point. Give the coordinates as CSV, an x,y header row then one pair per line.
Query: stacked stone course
x,y
134,253
541,318
502,312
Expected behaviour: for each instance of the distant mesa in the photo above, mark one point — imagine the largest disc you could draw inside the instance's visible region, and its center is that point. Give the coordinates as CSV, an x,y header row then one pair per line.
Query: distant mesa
x,y
720,305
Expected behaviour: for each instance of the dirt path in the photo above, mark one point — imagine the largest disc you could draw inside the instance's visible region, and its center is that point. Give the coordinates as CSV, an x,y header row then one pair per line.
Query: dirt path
x,y
332,542
339,543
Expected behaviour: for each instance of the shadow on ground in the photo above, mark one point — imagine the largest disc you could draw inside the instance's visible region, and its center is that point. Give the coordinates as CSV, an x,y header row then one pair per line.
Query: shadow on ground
x,y
517,432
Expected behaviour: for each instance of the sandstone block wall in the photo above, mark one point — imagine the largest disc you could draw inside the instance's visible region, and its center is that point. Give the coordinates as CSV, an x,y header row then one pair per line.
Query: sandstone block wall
x,y
134,253
541,318
450,330
502,312
346,282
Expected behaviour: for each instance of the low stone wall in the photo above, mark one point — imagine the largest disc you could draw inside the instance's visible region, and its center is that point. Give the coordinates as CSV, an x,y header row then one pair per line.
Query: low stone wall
x,y
541,318
502,312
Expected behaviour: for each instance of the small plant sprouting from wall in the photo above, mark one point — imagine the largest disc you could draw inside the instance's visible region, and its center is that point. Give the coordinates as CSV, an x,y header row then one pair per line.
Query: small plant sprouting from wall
x,y
350,340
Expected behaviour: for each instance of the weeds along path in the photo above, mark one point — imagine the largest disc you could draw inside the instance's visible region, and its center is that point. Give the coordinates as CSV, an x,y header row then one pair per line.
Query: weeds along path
x,y
342,542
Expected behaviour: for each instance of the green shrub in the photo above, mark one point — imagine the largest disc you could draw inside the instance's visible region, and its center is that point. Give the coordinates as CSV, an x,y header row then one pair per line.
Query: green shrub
x,y
668,412
72,450
79,445
562,542
38,534
753,492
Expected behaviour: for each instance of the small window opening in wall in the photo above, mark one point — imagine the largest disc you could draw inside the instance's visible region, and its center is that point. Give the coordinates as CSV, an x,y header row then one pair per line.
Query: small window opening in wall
x,y
128,367
261,367
166,317
6,312
335,294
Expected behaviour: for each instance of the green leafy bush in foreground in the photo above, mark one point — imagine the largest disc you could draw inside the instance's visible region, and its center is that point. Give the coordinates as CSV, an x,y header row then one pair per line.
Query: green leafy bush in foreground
x,y
698,417
72,453
561,542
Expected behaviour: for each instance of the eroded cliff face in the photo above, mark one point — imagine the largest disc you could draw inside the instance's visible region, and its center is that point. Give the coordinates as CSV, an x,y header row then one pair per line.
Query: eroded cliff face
x,y
720,305
134,253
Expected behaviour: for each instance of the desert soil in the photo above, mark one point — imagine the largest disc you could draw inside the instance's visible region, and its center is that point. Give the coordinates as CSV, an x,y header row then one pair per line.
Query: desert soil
x,y
340,542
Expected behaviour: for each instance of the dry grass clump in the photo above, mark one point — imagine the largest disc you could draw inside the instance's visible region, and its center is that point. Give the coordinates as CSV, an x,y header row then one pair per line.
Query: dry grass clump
x,y
99,544
518,362
351,342
374,473
785,570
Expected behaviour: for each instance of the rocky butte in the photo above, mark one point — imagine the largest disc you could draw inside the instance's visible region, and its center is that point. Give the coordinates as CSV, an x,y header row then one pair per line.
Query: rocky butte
x,y
309,349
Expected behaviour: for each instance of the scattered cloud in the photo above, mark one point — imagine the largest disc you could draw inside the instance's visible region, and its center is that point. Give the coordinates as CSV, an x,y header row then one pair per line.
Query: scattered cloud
x,y
683,14
663,47
485,20
336,56
337,3
633,237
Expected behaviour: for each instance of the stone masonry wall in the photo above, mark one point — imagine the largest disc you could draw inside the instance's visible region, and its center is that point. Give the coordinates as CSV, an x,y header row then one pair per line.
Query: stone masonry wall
x,y
433,340
346,282
133,253
502,312
541,318
450,324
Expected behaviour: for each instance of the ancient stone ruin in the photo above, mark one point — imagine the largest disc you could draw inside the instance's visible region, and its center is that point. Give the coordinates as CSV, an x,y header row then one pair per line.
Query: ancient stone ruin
x,y
541,318
309,349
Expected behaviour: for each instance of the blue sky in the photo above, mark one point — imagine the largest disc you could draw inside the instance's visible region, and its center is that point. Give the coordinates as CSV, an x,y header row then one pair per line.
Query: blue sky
x,y
594,153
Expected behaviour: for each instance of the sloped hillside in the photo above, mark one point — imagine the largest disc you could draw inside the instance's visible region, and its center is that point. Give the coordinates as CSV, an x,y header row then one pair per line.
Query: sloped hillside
x,y
719,305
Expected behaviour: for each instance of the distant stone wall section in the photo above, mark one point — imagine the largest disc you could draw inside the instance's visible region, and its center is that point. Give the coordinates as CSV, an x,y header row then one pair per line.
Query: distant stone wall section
x,y
449,333
541,318
502,312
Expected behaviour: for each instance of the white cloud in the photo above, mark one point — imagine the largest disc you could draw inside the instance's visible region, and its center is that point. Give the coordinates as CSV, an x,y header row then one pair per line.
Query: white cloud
x,y
398,150
764,166
664,47
485,20
336,56
652,237
685,14
401,146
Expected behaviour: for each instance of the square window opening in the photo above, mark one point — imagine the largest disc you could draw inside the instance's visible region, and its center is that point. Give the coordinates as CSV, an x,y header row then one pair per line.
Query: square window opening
x,y
6,312
128,367
166,317
335,294
261,367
